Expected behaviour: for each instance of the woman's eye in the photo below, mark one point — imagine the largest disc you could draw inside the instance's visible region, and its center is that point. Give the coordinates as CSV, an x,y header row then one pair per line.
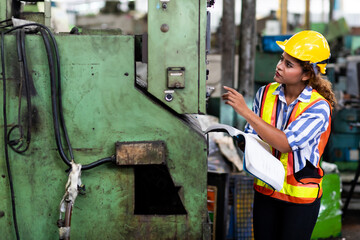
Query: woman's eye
x,y
287,63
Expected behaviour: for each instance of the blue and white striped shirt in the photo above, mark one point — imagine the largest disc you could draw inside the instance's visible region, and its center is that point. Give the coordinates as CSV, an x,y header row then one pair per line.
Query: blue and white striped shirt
x,y
304,132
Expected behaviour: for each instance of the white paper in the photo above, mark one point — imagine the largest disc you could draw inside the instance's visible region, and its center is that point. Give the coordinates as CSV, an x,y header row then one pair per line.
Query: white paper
x,y
258,159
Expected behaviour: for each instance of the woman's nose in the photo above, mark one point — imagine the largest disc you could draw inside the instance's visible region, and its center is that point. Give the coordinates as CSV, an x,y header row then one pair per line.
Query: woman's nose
x,y
279,66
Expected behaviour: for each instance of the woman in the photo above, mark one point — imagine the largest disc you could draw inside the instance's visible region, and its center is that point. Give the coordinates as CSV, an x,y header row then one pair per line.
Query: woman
x,y
293,116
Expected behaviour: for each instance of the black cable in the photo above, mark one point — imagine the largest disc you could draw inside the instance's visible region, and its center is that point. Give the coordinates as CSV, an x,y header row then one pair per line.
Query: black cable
x,y
59,95
6,142
6,20
56,106
53,97
27,87
17,144
20,60
20,57
13,143
5,26
62,119
53,87
56,96
99,162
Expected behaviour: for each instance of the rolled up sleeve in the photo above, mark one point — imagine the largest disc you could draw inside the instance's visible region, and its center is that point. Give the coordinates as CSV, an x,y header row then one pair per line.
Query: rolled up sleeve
x,y
308,127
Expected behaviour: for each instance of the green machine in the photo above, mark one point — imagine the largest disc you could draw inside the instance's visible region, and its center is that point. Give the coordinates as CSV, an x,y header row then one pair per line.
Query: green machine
x,y
78,123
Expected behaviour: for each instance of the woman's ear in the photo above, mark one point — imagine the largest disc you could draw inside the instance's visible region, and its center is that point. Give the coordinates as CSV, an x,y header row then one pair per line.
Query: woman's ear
x,y
306,76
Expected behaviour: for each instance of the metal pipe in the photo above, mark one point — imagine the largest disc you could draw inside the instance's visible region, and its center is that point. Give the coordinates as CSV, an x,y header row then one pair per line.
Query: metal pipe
x,y
247,48
67,219
283,16
228,44
331,10
307,14
227,39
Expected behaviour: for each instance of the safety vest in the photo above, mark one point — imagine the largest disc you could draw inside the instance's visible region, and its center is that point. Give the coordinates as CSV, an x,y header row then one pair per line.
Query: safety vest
x,y
303,191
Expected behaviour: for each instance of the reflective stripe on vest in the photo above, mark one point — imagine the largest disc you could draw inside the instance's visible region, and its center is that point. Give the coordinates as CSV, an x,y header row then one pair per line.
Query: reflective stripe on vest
x,y
306,190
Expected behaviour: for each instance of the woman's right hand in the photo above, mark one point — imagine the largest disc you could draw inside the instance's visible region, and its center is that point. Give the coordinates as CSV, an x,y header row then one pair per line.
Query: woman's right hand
x,y
270,134
235,100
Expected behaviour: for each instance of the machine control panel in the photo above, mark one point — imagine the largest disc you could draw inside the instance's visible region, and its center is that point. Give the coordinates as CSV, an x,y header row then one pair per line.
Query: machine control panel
x,y
177,34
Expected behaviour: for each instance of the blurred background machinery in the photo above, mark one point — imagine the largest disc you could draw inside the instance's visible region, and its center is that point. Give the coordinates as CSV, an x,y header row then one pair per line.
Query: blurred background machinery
x,y
341,159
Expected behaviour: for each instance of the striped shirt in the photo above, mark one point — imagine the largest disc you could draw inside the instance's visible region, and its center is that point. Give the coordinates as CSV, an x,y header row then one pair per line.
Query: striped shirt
x,y
303,134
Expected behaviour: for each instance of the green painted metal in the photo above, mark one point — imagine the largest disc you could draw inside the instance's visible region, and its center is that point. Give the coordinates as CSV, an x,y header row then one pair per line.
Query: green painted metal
x,y
336,29
177,39
3,10
329,221
265,64
102,106
354,43
202,60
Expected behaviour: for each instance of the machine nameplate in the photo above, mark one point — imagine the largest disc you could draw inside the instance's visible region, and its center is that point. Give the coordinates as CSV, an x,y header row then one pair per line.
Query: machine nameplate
x,y
140,153
176,77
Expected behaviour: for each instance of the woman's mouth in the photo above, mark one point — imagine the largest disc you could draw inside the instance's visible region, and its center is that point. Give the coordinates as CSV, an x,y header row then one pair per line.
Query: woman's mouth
x,y
277,74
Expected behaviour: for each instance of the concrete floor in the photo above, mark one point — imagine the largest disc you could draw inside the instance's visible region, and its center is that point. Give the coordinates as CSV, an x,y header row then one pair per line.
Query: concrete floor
x,y
351,225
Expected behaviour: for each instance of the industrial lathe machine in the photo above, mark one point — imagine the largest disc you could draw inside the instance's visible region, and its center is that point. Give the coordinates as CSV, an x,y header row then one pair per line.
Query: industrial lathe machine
x,y
78,123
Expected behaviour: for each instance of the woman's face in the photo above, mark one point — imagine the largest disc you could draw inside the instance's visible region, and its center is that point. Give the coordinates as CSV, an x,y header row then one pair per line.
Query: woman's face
x,y
289,71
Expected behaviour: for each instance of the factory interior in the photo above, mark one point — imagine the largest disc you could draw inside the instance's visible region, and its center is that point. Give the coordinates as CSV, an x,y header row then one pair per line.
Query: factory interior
x,y
117,104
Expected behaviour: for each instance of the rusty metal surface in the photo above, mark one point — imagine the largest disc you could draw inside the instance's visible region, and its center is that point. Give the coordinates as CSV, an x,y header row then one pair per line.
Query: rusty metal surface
x,y
135,153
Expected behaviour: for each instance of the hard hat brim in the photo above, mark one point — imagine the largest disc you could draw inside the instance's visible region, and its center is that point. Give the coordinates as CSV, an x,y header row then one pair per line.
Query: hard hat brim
x,y
281,44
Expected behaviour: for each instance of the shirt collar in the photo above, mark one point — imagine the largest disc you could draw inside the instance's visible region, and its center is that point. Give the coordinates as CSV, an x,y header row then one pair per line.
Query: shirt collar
x,y
304,96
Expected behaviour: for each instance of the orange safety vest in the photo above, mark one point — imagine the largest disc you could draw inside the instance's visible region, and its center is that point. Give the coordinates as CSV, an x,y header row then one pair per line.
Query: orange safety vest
x,y
306,190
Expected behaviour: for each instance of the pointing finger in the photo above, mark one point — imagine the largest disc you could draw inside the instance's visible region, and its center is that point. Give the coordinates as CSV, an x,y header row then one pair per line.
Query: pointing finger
x,y
230,89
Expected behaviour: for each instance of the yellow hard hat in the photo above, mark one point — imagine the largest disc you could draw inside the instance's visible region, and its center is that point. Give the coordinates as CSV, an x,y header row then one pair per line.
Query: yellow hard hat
x,y
308,46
